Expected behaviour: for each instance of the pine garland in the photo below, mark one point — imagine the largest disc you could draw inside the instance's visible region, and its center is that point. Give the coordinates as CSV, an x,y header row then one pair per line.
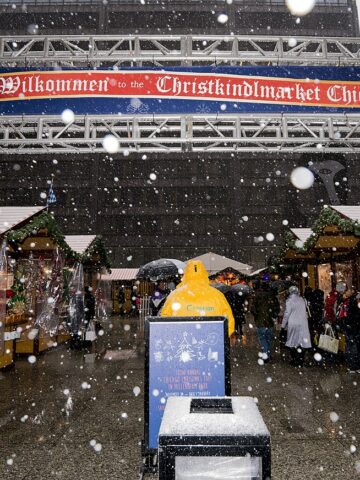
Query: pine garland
x,y
96,249
45,221
327,217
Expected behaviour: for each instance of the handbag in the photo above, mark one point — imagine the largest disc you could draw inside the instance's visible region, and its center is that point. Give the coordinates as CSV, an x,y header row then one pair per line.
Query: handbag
x,y
328,342
90,334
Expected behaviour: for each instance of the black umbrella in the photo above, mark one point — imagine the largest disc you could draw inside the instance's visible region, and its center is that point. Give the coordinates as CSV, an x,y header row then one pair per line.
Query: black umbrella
x,y
241,288
280,285
161,269
222,287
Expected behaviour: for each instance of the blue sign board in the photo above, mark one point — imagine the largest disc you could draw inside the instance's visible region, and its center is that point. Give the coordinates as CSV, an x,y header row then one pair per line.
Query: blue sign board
x,y
184,356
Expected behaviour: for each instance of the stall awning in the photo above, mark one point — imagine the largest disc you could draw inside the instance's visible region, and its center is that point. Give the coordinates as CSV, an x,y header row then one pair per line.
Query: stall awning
x,y
257,272
120,274
216,263
79,243
10,217
350,211
302,233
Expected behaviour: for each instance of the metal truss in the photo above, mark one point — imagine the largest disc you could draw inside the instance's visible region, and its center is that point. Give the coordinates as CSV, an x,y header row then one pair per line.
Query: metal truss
x,y
195,133
153,50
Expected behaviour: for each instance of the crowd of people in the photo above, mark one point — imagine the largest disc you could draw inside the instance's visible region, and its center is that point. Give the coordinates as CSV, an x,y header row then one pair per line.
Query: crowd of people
x,y
279,308
304,319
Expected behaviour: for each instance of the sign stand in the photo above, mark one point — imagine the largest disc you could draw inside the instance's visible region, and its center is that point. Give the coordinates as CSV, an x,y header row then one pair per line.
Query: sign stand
x,y
184,356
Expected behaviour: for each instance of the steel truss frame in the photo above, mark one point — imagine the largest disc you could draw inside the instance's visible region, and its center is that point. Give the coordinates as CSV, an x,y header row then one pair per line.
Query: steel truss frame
x,y
179,133
162,50
195,133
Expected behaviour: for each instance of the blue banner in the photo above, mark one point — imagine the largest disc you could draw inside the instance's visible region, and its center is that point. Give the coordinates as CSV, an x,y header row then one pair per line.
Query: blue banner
x,y
180,90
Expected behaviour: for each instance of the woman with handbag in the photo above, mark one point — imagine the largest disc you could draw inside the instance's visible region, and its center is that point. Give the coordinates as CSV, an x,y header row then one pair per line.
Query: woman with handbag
x,y
296,321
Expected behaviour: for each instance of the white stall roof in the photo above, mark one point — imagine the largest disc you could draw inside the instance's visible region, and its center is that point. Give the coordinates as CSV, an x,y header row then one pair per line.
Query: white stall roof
x,y
10,217
79,243
215,263
120,274
349,211
256,272
302,233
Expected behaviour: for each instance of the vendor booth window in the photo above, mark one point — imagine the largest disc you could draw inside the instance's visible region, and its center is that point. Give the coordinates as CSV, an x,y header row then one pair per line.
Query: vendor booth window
x,y
324,273
344,273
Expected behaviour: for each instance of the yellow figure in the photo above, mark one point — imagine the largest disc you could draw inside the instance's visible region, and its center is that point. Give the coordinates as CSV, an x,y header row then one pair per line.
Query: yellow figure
x,y
194,297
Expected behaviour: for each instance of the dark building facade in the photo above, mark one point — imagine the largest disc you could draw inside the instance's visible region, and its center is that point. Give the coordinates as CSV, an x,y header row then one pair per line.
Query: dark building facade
x,y
197,203
167,205
245,17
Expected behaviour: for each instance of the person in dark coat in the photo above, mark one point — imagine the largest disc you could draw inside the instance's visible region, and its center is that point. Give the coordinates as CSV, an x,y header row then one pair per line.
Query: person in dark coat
x,y
351,326
316,307
121,300
265,309
158,299
307,293
89,303
239,307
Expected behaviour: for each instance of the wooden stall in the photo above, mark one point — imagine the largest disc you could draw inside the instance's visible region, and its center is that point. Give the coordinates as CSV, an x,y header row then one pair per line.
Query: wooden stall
x,y
215,263
38,252
15,318
92,253
33,246
329,251
124,279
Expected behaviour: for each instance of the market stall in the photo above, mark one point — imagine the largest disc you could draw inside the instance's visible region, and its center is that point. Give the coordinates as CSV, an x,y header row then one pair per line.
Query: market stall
x,y
215,263
39,252
13,316
124,286
87,296
329,251
228,276
91,251
45,261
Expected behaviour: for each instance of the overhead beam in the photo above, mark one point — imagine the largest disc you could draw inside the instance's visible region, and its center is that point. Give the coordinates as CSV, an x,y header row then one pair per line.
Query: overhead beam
x,y
175,133
171,50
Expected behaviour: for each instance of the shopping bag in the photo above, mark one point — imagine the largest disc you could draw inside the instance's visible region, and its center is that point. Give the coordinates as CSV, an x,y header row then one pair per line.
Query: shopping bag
x,y
90,334
328,342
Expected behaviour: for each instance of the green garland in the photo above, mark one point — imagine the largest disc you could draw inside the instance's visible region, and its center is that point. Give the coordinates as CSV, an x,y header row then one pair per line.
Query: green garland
x,y
46,221
327,217
96,249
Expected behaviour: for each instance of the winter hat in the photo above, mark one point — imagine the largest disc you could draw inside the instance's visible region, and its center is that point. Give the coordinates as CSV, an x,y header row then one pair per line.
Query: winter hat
x,y
293,289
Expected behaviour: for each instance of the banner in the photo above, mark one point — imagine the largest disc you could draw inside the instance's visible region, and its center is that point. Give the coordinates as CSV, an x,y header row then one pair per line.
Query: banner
x,y
181,90
184,356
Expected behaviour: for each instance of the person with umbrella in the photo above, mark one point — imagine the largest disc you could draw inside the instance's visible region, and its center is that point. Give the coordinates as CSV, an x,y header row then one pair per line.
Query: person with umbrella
x,y
161,269
158,298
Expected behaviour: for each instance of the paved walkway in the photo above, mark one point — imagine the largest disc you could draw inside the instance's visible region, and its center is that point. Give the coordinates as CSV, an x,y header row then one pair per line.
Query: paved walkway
x,y
50,412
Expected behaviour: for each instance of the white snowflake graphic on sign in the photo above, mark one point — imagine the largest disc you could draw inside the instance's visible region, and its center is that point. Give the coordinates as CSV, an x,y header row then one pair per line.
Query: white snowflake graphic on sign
x,y
185,353
137,106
